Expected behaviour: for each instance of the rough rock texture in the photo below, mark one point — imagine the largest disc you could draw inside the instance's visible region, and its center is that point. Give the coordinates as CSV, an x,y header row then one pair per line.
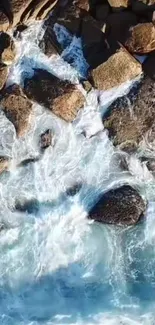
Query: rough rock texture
x,y
7,48
12,12
118,69
129,118
118,25
119,4
4,164
83,4
61,97
121,206
46,139
3,74
142,38
49,44
16,107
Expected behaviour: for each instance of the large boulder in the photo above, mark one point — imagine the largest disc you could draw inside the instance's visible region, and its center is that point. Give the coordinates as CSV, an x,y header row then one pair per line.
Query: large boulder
x,y
119,68
143,7
12,12
141,39
3,74
7,48
129,118
121,206
149,65
61,97
16,107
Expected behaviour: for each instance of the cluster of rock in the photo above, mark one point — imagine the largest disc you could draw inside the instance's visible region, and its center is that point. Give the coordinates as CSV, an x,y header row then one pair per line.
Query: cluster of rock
x,y
112,32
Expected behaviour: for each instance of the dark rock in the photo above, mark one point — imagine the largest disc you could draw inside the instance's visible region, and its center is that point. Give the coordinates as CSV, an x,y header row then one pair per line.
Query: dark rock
x,y
130,117
143,7
29,206
73,190
119,68
46,139
28,161
16,107
149,65
49,44
121,206
142,38
59,96
102,11
18,30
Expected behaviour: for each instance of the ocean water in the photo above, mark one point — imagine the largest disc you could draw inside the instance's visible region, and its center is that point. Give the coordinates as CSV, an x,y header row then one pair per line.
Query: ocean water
x,y
56,266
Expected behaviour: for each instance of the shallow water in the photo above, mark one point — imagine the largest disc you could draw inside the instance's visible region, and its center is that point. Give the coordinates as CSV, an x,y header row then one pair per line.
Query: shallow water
x,y
56,266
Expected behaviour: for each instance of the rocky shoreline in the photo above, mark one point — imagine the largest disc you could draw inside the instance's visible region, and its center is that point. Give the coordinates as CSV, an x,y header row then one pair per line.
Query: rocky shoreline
x,y
118,44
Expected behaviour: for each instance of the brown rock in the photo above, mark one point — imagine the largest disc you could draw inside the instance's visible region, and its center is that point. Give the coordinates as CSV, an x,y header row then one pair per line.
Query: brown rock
x,y
83,4
118,25
122,206
142,38
129,118
3,74
102,11
119,4
38,9
4,164
4,21
16,107
46,139
7,48
59,96
49,44
119,68
46,9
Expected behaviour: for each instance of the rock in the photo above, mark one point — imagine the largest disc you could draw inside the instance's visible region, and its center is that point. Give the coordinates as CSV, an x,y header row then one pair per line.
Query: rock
x,y
28,161
79,23
122,206
7,48
118,25
18,31
119,4
59,96
49,44
143,7
16,107
13,12
3,74
83,4
149,65
73,190
130,117
102,11
46,139
142,38
30,206
87,85
119,68
4,164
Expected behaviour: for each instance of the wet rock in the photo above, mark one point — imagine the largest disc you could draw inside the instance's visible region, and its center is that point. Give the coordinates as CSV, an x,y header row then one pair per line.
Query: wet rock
x,y
129,118
83,4
59,96
7,48
119,4
30,206
49,44
46,139
4,164
16,107
122,206
102,11
118,25
119,68
18,31
73,190
3,74
28,161
149,65
142,38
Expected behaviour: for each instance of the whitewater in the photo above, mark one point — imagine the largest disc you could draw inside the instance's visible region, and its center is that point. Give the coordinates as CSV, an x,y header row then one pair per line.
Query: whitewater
x,y
56,266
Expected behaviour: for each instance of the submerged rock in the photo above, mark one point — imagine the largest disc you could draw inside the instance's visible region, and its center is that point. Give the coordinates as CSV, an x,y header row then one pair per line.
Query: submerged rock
x,y
24,205
119,68
129,118
120,206
7,48
16,107
61,97
46,139
142,38
4,164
